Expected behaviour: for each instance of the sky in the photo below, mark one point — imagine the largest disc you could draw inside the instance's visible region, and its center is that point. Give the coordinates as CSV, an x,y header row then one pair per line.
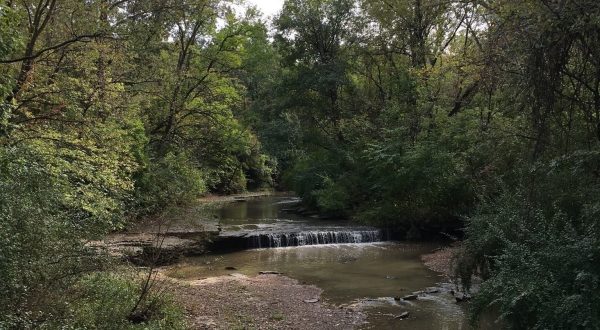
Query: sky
x,y
268,7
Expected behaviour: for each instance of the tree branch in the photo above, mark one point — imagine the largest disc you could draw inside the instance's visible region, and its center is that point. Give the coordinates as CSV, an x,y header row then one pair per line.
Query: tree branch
x,y
57,46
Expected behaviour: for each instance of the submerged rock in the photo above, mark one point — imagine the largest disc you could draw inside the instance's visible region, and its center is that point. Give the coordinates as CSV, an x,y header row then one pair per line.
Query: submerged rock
x,y
346,259
402,316
269,272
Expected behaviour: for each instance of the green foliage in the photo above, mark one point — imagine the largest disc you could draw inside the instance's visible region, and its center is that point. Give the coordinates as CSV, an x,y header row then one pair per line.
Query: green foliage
x,y
99,301
106,299
333,197
48,214
10,43
537,246
422,186
9,34
105,119
167,182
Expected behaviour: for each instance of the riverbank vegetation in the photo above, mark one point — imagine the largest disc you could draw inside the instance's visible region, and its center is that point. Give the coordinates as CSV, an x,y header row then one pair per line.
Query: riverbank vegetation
x,y
476,118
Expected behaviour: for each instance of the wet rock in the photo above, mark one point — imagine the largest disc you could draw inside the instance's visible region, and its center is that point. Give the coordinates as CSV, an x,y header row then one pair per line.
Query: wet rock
x,y
390,277
269,272
311,301
402,316
410,297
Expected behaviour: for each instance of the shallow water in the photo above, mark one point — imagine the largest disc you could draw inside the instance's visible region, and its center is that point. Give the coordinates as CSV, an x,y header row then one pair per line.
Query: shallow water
x,y
368,275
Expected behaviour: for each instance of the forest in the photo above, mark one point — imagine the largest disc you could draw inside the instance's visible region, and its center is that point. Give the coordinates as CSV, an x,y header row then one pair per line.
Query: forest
x,y
476,121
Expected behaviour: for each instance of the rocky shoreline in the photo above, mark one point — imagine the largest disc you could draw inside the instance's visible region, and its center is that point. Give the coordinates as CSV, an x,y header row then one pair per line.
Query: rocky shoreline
x,y
163,240
442,260
265,301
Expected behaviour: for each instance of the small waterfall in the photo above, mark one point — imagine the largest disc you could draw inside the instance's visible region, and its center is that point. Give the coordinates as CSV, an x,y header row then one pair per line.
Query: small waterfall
x,y
271,240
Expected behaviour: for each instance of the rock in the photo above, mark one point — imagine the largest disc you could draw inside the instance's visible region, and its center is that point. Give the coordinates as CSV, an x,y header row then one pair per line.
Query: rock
x,y
237,275
269,272
402,316
311,301
230,268
461,297
410,297
388,277
432,290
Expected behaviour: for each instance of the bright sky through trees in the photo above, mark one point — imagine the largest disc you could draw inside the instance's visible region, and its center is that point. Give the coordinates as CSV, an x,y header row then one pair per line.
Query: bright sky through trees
x,y
268,7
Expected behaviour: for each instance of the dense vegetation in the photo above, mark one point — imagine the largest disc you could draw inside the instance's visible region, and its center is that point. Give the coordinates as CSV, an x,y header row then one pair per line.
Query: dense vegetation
x,y
425,117
111,110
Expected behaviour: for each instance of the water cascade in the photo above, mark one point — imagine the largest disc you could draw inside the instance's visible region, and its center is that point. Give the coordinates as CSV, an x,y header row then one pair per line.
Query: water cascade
x,y
270,240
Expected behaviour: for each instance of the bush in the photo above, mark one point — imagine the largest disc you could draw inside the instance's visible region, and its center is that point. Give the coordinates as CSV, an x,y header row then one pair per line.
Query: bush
x,y
100,301
419,188
333,197
106,300
537,246
323,181
50,207
171,180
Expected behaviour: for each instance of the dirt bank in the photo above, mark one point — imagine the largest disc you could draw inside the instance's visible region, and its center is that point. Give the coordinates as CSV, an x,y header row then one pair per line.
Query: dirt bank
x,y
262,302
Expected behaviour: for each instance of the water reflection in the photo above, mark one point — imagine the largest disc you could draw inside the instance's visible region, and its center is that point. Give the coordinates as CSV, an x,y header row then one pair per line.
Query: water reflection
x,y
367,275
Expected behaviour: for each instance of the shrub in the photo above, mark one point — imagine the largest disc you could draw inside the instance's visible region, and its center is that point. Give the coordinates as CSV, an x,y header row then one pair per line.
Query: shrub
x,y
537,246
169,181
333,197
51,205
107,299
415,187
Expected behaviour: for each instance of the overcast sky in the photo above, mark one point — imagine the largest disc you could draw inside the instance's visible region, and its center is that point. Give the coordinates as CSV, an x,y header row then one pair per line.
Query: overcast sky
x,y
268,7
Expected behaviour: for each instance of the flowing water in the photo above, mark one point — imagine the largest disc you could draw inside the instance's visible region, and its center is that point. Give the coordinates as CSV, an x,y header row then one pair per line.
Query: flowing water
x,y
349,263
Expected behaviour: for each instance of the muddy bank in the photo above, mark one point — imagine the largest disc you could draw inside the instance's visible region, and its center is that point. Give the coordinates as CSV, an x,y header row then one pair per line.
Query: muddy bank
x,y
262,302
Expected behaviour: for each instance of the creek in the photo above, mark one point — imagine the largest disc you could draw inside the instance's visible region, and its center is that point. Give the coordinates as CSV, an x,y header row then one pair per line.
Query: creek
x,y
354,265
